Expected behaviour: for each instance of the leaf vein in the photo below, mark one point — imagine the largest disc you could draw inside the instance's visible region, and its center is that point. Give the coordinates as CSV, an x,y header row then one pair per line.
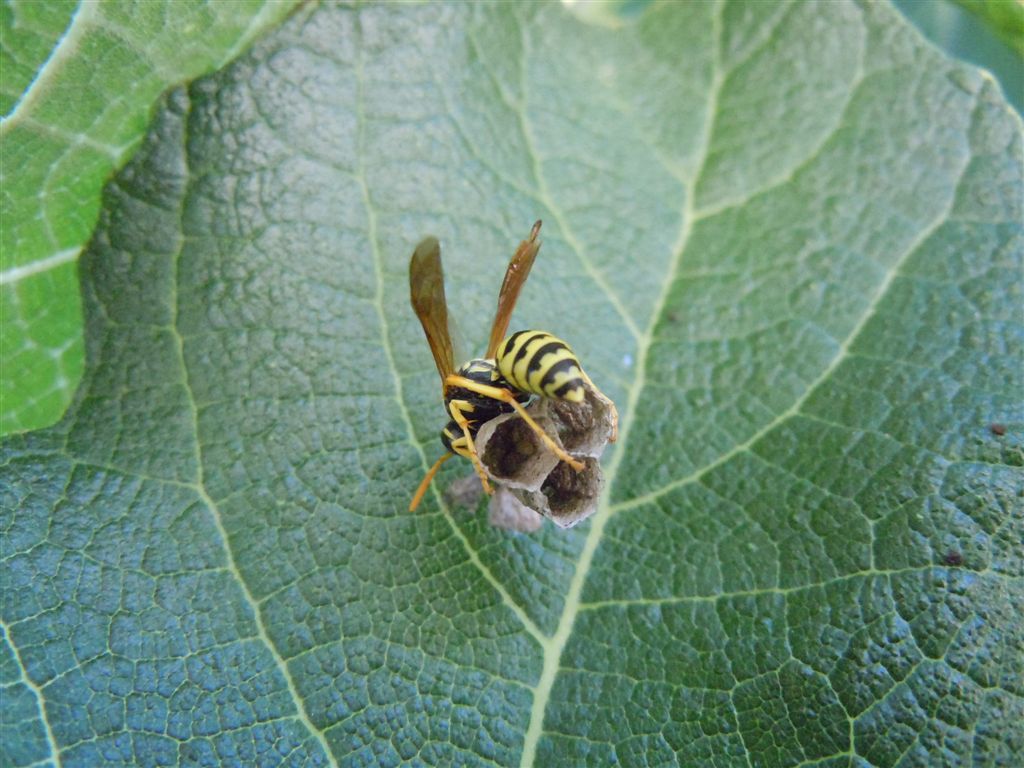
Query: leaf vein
x,y
64,48
179,344
545,196
770,591
786,177
842,354
520,613
554,648
37,693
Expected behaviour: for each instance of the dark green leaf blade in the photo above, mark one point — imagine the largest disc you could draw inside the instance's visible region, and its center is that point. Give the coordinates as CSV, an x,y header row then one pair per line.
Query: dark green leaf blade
x,y
811,532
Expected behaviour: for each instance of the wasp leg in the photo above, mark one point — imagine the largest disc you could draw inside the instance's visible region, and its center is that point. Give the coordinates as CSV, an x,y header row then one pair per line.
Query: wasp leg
x,y
460,419
425,483
497,393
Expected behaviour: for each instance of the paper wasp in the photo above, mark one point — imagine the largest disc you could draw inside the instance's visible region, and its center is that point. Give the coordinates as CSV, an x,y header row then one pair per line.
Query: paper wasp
x,y
512,370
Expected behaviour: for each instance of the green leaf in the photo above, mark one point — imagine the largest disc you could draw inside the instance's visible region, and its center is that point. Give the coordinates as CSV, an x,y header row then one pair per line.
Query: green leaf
x,y
989,33
785,239
77,83
1005,17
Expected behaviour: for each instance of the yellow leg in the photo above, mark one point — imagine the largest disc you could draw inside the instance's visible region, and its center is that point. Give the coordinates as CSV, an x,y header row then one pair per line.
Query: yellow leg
x,y
497,393
460,419
425,483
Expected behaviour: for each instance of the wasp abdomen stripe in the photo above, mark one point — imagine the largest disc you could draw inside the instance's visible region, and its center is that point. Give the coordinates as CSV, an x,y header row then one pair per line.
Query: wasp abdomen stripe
x,y
539,363
536,356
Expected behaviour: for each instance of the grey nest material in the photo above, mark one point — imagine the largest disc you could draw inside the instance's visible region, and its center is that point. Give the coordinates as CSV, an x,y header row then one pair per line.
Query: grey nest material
x,y
530,480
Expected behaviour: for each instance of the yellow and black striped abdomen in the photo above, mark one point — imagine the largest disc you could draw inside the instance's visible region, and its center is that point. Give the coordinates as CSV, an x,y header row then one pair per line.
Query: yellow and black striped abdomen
x,y
539,363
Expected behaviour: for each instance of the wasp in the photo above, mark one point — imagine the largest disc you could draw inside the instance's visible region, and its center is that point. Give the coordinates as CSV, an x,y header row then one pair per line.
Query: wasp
x,y
512,371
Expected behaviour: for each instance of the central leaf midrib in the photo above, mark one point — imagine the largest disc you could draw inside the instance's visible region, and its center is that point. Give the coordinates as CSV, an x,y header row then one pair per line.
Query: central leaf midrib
x,y
555,647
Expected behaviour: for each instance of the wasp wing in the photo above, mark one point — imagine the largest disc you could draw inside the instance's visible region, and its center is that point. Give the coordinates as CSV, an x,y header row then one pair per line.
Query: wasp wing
x,y
515,276
426,290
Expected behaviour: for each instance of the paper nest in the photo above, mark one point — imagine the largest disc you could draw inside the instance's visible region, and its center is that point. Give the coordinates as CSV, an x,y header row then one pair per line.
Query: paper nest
x,y
530,481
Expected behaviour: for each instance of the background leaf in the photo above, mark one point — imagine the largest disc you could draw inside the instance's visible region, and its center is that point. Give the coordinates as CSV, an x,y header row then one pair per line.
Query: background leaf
x,y
989,33
786,239
77,83
1005,17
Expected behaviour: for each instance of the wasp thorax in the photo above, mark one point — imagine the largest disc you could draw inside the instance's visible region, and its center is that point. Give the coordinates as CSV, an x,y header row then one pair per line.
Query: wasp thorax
x,y
518,462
